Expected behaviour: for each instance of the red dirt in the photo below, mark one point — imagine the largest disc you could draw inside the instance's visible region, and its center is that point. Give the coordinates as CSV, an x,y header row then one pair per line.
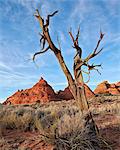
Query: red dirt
x,y
26,140
109,129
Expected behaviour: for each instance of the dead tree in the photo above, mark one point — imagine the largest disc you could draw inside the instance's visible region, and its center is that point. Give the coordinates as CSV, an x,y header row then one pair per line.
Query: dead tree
x,y
76,83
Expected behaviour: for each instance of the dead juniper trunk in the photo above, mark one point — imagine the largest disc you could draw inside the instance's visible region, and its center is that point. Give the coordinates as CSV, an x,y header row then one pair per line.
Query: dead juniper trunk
x,y
76,83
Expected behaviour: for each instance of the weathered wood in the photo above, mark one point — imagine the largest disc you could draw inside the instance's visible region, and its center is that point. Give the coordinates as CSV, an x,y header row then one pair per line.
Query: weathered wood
x,y
76,84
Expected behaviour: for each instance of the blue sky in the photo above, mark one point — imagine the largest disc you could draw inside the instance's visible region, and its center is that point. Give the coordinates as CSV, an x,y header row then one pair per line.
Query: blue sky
x,y
19,40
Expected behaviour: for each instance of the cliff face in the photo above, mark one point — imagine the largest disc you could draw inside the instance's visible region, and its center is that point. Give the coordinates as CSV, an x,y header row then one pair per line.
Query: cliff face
x,y
41,91
106,87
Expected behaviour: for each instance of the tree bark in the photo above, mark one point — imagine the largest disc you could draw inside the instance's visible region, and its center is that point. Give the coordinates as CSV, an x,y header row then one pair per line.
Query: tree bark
x,y
77,91
76,85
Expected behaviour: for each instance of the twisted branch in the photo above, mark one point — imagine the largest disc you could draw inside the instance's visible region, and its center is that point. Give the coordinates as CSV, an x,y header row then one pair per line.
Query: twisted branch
x,y
75,42
93,67
48,18
41,21
78,34
95,52
53,48
41,52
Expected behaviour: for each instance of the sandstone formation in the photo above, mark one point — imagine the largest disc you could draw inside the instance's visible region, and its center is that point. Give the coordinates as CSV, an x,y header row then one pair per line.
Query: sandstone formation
x,y
102,88
89,92
106,87
66,94
41,91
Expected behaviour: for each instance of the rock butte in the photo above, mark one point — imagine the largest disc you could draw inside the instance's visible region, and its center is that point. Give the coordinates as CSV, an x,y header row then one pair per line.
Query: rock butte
x,y
42,92
106,87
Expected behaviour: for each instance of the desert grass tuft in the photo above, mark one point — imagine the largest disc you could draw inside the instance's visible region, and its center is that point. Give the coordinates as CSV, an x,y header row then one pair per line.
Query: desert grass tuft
x,y
68,134
4,145
17,118
77,140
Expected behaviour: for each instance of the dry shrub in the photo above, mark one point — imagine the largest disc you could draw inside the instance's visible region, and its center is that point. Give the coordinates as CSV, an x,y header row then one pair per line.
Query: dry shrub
x,y
80,140
66,131
105,105
1,129
17,118
8,117
45,122
39,115
1,106
4,145
25,119
113,108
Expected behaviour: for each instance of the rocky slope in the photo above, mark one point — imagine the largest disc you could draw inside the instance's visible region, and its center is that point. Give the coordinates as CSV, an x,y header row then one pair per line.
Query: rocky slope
x,y
106,87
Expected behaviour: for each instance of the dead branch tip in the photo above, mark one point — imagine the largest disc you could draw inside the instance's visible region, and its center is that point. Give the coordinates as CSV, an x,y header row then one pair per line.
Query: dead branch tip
x,y
40,52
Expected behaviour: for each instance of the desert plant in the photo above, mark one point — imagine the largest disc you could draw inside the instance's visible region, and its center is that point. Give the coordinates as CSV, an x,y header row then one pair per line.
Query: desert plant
x,y
17,118
4,144
68,134
25,118
1,106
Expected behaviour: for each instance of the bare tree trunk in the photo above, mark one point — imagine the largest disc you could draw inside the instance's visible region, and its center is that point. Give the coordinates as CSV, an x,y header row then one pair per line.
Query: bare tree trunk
x,y
78,93
76,84
81,93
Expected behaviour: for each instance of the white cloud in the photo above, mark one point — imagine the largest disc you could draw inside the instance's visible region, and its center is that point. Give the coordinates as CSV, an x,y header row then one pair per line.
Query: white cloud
x,y
79,11
5,66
